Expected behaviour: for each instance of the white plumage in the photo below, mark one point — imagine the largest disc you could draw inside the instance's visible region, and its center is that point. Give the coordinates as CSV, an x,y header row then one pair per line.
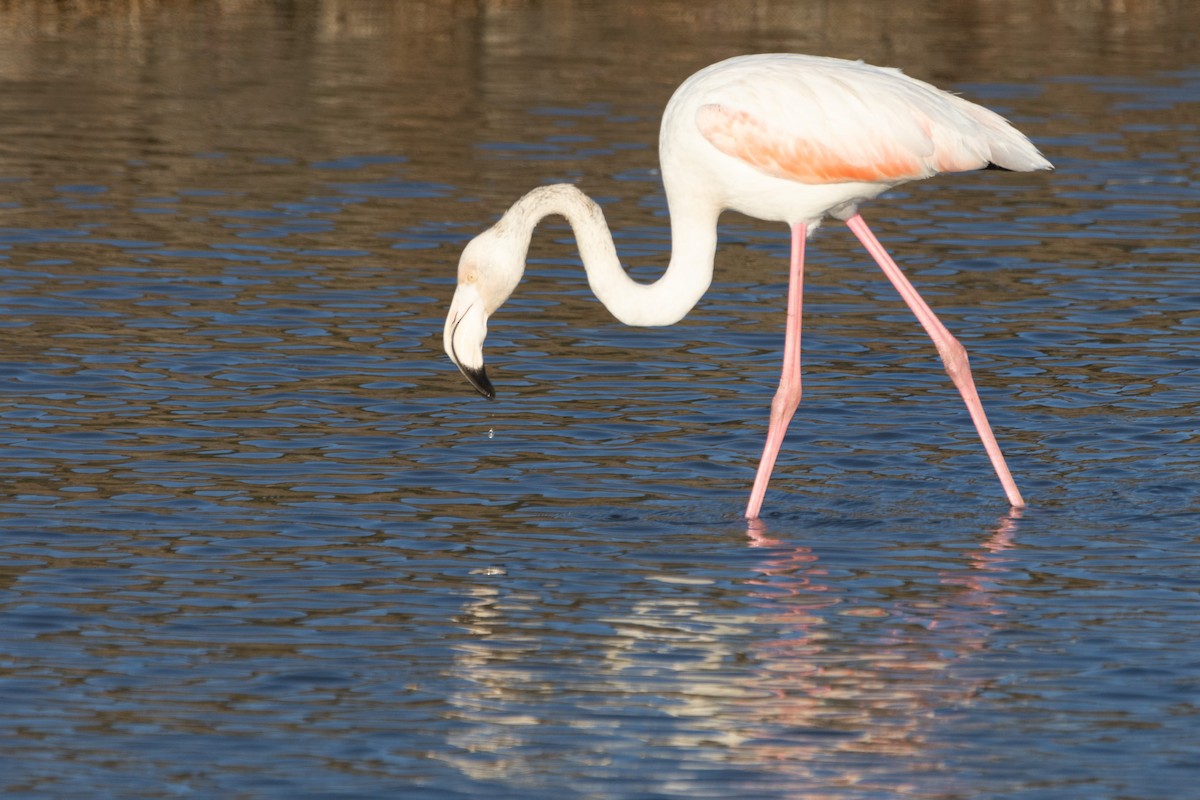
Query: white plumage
x,y
781,137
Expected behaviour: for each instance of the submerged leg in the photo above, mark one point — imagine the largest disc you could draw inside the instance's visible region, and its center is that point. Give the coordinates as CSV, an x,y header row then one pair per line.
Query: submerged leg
x,y
954,357
787,396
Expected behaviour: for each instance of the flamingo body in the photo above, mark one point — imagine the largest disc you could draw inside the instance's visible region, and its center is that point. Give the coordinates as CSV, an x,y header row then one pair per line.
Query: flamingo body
x,y
780,137
805,137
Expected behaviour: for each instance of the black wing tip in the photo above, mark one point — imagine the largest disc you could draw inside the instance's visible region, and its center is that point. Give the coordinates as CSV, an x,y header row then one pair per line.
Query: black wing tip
x,y
1049,167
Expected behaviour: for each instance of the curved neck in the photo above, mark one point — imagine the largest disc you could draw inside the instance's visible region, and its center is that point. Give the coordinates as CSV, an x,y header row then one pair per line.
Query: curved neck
x,y
664,302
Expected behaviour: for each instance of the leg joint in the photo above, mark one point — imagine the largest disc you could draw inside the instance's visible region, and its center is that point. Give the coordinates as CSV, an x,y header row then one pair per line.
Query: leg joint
x,y
954,358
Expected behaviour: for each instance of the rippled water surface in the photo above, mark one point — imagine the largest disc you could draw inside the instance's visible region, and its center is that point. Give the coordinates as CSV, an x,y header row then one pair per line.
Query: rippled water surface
x,y
259,539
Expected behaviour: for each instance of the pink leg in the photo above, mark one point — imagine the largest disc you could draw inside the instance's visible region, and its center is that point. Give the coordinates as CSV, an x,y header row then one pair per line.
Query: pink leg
x,y
954,357
787,396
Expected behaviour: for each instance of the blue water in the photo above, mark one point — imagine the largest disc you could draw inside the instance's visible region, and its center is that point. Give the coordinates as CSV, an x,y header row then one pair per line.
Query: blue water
x,y
258,538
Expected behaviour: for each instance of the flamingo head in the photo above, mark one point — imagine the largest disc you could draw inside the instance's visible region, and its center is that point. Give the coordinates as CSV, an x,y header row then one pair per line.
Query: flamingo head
x,y
489,270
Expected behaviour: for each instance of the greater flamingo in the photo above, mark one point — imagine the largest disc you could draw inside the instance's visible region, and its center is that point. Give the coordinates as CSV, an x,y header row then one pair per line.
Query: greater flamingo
x,y
781,137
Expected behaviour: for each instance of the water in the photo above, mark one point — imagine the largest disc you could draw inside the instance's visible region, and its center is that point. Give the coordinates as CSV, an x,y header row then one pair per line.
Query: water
x,y
258,539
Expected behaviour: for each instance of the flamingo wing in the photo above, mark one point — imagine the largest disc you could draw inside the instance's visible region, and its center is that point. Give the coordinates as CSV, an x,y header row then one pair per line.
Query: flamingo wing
x,y
854,122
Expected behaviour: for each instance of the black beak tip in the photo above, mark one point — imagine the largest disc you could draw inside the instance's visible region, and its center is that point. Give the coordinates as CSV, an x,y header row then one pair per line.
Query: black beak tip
x,y
479,380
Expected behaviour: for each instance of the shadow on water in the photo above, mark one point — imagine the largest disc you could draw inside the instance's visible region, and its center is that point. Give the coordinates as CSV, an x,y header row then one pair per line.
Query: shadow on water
x,y
258,539
796,673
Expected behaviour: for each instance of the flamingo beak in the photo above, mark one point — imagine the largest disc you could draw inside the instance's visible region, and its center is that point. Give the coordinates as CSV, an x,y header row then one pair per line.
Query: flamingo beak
x,y
466,328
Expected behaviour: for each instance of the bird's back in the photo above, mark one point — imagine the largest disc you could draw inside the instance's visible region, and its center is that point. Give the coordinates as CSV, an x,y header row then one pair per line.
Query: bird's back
x,y
824,121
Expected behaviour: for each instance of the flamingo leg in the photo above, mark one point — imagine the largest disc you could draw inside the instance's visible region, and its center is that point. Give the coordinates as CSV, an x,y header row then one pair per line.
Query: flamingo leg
x,y
954,356
787,396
